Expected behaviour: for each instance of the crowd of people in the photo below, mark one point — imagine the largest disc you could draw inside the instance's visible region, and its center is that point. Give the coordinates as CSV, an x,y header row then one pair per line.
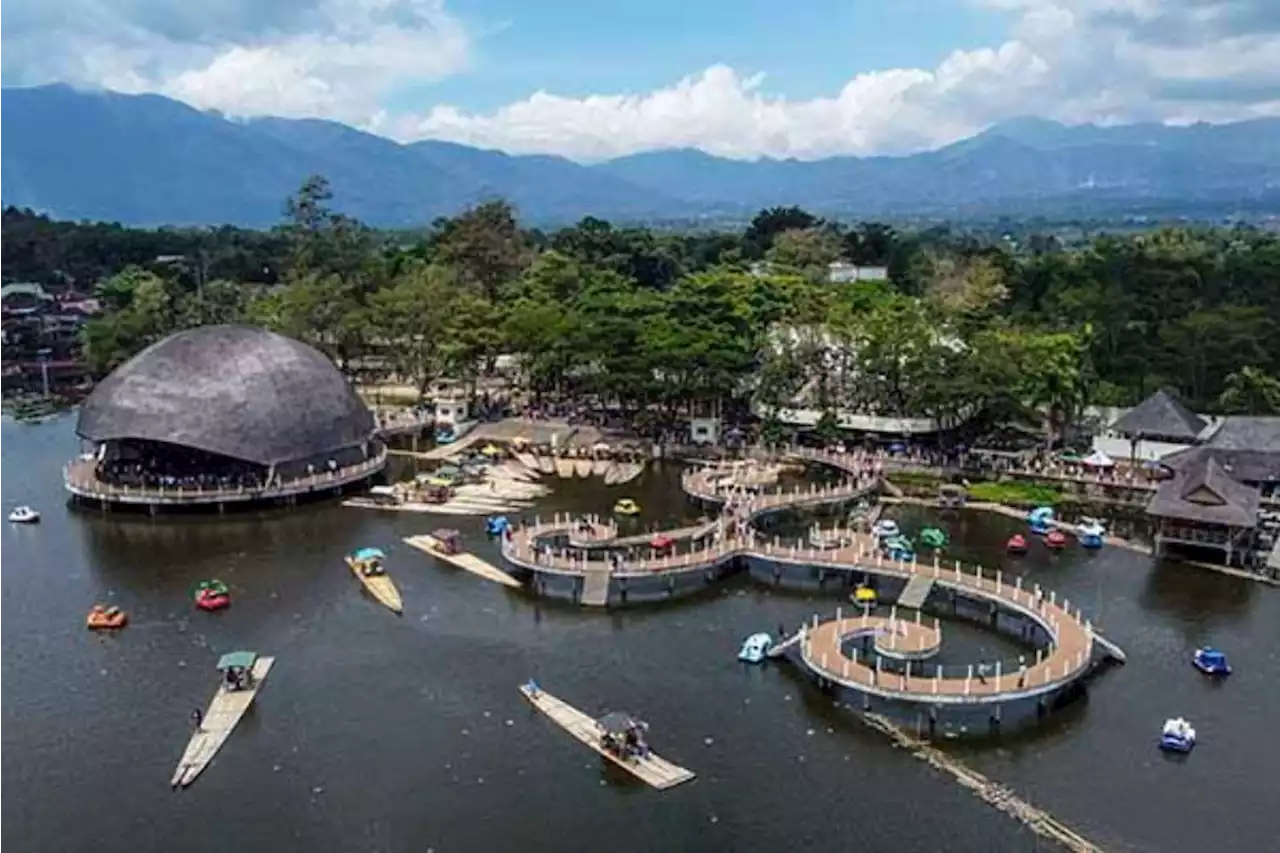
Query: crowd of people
x,y
155,465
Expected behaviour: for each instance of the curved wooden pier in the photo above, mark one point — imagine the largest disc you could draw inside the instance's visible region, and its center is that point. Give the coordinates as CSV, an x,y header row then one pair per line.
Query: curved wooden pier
x,y
596,577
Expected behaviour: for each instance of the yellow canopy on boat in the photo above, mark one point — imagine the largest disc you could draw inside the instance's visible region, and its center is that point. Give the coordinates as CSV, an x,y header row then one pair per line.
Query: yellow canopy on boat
x,y
491,450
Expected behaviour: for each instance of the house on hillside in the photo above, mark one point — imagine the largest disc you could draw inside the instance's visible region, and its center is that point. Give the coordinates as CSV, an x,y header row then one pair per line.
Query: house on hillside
x,y
840,272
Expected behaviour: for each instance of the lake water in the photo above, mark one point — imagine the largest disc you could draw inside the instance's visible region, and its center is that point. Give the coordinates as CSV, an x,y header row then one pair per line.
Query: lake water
x,y
377,733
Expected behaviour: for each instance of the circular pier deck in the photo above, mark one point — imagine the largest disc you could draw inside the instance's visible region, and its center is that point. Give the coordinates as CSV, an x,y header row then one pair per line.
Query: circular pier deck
x,y
81,480
891,637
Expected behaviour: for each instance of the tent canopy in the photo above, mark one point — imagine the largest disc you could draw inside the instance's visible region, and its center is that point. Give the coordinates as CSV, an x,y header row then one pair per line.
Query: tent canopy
x,y
618,723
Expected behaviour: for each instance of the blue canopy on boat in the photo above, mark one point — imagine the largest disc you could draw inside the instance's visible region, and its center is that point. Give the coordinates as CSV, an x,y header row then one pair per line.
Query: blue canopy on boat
x,y
1041,512
237,660
1212,656
370,554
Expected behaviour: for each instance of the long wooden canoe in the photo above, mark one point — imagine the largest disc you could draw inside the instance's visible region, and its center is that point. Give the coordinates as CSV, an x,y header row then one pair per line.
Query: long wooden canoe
x,y
225,711
463,560
380,586
656,771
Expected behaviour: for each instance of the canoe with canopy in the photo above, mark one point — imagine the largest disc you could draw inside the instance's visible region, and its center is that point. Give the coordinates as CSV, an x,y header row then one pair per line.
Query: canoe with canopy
x,y
241,677
366,564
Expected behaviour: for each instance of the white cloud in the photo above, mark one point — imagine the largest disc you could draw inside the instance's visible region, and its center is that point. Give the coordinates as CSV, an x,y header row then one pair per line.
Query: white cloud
x,y
1074,60
330,58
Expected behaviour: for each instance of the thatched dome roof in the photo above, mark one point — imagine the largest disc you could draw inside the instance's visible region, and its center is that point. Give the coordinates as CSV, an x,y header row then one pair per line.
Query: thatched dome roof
x,y
239,391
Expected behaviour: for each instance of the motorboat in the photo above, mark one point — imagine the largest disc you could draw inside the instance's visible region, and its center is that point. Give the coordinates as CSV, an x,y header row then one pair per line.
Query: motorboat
x,y
755,648
1211,661
24,515
865,596
1092,533
1178,735
497,525
933,537
1040,520
885,527
1055,539
626,506
104,618
212,595
1017,544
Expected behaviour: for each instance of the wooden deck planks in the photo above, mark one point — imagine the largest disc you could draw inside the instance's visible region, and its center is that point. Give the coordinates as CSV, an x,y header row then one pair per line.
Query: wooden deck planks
x,y
225,711
653,770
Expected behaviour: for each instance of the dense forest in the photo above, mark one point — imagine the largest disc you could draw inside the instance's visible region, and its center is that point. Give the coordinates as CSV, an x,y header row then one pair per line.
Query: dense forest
x,y
963,327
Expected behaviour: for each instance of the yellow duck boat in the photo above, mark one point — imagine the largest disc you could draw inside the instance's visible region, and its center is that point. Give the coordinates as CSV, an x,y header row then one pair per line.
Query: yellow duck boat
x,y
626,506
366,564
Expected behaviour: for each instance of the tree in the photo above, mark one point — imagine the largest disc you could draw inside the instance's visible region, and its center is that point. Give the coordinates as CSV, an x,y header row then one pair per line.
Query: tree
x,y
146,315
411,320
807,251
485,245
768,224
1250,391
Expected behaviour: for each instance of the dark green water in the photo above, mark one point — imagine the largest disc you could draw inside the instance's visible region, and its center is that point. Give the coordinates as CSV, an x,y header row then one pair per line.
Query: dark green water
x,y
377,733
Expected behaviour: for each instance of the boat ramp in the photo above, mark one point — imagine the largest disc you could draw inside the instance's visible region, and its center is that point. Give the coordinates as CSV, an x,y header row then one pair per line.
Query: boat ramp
x,y
649,768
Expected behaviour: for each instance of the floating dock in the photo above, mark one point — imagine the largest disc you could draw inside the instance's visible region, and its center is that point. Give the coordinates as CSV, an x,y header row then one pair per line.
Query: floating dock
x,y
653,770
225,711
465,561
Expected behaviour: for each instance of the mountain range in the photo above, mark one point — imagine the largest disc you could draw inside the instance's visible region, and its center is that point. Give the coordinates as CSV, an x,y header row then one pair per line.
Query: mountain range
x,y
149,160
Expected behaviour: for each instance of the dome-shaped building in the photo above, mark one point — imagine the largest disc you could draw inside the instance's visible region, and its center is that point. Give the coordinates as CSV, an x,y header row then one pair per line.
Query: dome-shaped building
x,y
222,413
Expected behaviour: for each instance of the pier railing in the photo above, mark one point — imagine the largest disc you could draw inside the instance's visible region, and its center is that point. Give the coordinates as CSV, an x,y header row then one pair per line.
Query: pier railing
x,y
80,478
1071,634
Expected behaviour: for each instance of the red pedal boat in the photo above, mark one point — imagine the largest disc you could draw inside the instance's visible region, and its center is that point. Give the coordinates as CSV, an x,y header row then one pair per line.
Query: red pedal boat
x,y
1056,539
212,595
1017,544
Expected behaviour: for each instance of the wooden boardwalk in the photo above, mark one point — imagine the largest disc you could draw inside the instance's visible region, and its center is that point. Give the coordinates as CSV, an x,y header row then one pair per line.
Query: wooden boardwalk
x,y
652,769
604,534
1068,657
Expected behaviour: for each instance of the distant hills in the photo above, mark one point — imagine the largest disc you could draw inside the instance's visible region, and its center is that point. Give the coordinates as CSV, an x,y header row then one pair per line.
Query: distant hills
x,y
149,160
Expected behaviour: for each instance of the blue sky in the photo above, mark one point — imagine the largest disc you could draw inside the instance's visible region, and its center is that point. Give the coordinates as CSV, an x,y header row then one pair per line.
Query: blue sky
x,y
593,80
805,49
